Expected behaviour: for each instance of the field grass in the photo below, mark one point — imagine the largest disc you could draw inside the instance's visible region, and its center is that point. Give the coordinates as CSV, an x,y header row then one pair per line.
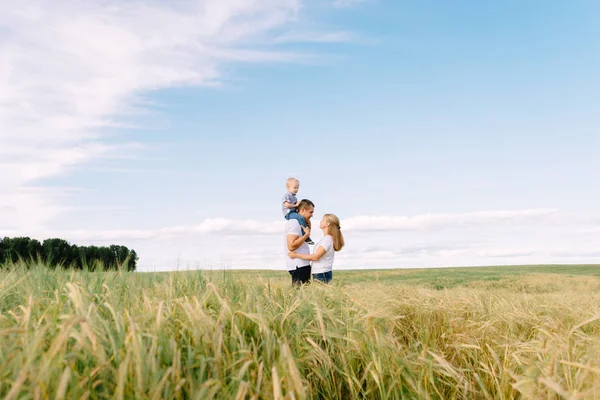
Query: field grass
x,y
456,333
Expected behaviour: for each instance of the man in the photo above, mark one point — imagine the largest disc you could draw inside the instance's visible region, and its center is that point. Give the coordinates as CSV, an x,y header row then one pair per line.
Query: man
x,y
296,241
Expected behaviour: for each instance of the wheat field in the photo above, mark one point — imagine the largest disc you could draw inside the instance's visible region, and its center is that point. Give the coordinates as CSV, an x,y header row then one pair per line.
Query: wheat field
x,y
465,333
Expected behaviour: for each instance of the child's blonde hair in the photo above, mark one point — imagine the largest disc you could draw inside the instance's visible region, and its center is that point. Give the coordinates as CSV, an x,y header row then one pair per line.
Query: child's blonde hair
x,y
291,180
335,231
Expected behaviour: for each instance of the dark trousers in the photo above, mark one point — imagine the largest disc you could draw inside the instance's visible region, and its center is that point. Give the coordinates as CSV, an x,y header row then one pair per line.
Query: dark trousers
x,y
300,275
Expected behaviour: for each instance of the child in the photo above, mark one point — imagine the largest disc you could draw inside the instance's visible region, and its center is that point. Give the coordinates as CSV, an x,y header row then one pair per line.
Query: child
x,y
290,204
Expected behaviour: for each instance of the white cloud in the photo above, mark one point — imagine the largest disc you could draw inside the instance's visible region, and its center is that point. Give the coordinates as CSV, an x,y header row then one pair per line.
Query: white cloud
x,y
70,70
506,253
430,221
221,226
576,253
347,3
16,209
426,222
594,230
316,37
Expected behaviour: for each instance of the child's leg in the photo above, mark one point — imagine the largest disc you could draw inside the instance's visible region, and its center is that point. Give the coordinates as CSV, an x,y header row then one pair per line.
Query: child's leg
x,y
297,217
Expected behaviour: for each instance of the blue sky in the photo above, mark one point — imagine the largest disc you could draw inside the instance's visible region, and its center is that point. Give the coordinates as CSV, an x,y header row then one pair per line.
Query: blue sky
x,y
441,133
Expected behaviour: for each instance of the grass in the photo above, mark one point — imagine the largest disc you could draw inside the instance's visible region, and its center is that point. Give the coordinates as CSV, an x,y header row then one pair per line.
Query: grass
x,y
457,333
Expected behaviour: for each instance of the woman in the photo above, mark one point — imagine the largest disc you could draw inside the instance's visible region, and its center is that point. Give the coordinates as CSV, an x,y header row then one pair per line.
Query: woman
x,y
324,251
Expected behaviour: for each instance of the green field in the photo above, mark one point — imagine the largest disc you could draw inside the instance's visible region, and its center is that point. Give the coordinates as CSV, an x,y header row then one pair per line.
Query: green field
x,y
453,333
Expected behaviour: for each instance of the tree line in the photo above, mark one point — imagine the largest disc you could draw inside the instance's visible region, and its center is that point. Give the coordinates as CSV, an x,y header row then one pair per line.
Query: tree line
x,y
58,252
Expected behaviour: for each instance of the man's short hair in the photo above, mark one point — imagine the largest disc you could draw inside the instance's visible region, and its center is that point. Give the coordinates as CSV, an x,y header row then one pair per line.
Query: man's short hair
x,y
305,203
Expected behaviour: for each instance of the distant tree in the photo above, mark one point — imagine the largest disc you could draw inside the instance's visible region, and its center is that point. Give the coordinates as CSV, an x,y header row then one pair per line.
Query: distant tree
x,y
3,250
35,249
57,251
14,249
132,260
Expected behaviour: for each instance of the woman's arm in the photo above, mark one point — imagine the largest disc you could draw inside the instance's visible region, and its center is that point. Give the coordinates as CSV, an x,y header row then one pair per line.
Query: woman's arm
x,y
320,252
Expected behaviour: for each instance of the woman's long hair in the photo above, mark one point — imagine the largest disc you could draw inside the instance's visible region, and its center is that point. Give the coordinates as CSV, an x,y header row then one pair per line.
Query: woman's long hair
x,y
335,231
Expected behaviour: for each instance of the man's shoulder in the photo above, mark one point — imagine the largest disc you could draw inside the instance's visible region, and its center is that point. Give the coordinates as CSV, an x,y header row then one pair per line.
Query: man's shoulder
x,y
292,224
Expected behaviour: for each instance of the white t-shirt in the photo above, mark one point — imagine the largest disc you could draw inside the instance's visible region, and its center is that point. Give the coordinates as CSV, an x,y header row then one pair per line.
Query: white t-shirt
x,y
292,227
325,263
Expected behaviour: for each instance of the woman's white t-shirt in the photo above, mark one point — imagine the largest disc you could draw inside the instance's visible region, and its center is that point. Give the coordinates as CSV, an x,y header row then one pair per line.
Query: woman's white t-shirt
x,y
325,263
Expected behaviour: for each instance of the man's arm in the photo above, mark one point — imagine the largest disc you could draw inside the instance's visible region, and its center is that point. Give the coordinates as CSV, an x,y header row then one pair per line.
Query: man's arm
x,y
295,241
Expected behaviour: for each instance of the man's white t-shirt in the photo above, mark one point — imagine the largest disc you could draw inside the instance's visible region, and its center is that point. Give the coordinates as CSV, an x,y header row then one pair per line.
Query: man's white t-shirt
x,y
292,227
325,263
